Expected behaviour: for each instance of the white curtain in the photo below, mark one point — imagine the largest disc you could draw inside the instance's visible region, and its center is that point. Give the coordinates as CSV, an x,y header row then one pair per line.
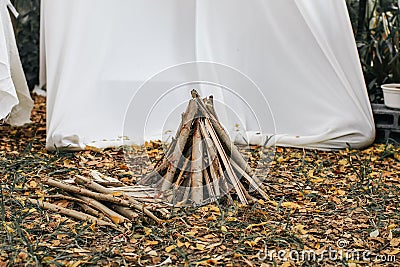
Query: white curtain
x,y
284,68
15,101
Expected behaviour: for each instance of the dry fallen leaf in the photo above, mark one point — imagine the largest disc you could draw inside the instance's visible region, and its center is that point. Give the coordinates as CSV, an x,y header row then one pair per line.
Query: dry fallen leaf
x,y
170,248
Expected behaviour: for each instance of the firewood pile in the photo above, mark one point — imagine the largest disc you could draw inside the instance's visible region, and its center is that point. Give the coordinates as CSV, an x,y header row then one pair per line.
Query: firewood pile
x,y
105,201
202,164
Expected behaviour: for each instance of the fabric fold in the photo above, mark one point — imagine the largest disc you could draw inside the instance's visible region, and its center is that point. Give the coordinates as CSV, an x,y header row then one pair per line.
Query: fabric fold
x,y
15,101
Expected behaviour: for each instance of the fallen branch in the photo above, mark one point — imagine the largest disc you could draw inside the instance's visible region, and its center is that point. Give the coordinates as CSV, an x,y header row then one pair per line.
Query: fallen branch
x,y
72,213
115,217
125,198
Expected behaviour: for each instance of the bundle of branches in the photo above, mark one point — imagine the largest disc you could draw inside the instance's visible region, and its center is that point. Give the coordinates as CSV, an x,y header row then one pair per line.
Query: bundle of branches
x,y
104,202
202,164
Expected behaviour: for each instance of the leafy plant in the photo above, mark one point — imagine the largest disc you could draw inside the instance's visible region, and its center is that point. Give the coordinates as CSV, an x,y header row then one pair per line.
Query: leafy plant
x,y
27,31
376,26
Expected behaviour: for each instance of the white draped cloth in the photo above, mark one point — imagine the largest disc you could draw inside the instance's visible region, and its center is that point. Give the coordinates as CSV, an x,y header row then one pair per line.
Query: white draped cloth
x,y
289,68
15,101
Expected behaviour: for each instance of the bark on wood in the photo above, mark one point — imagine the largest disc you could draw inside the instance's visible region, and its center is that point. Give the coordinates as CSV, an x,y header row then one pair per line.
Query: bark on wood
x,y
71,213
197,166
202,162
224,138
115,217
230,173
126,199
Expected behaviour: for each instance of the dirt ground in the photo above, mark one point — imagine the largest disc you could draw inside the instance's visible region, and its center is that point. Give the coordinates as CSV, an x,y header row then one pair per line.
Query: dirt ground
x,y
324,209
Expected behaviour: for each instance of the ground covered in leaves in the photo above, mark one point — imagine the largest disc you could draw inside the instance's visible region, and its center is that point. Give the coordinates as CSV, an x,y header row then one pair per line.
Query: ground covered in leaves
x,y
325,208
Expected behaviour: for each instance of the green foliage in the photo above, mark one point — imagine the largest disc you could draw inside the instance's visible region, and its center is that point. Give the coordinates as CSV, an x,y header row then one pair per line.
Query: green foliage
x,y
27,31
378,43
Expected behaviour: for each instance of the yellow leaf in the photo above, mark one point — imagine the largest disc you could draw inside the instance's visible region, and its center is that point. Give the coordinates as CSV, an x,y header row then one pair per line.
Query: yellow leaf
x,y
261,202
170,248
214,209
75,264
342,162
392,226
115,219
291,205
191,233
341,192
395,242
147,231
180,244
317,180
151,243
9,229
32,184
256,225
223,229
394,252
200,247
300,229
250,243
287,264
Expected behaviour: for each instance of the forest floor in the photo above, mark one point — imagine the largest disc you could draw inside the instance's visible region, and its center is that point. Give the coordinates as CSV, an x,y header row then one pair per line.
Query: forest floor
x,y
336,208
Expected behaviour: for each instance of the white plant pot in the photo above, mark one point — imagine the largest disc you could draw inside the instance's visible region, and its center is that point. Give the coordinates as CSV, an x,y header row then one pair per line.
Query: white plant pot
x,y
391,95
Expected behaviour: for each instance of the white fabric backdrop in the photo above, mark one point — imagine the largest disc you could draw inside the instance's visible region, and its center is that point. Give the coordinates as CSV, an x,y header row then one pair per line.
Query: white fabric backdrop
x,y
300,53
15,101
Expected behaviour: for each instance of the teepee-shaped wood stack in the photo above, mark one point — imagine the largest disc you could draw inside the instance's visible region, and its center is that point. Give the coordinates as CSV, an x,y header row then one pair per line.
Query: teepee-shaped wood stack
x,y
202,164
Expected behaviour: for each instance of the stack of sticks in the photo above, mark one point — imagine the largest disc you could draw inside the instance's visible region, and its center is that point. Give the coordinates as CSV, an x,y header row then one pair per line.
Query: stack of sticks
x,y
102,204
202,164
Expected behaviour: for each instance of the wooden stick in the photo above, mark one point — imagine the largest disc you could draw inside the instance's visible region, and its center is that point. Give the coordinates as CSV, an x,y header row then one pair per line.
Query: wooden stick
x,y
126,212
224,138
86,206
210,106
225,161
257,184
168,178
90,210
210,188
155,174
213,160
183,169
85,192
131,201
197,166
72,213
176,155
172,147
114,217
